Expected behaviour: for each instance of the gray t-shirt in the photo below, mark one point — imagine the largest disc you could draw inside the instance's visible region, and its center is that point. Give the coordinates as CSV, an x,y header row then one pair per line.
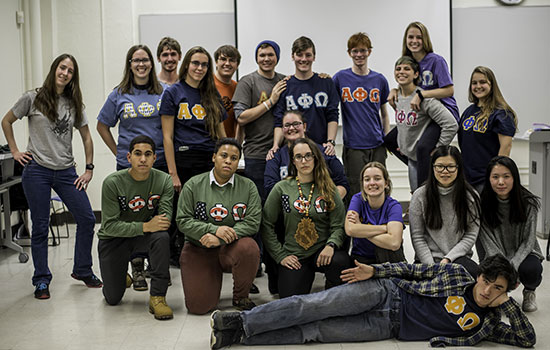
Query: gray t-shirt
x,y
50,143
253,90
411,124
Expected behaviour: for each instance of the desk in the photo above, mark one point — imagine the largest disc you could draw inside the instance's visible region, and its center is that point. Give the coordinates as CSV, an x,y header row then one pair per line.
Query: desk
x,y
8,180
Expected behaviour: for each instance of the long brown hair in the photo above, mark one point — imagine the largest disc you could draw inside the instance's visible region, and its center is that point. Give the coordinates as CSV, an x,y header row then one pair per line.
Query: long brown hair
x,y
210,98
46,97
321,176
426,41
494,100
126,85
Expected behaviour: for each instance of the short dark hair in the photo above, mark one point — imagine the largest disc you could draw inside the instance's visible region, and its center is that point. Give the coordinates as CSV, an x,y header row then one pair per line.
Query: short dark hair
x,y
497,265
228,141
141,139
302,44
170,44
228,51
411,62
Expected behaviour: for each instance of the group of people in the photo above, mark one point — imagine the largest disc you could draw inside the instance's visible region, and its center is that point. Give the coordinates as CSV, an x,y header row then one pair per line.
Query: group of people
x,y
176,196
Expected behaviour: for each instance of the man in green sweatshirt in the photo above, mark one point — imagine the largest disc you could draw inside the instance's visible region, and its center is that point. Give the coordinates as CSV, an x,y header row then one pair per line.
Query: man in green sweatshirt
x,y
219,212
136,206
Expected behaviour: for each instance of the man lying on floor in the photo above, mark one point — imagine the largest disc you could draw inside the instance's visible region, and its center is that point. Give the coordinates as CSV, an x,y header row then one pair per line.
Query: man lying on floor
x,y
390,301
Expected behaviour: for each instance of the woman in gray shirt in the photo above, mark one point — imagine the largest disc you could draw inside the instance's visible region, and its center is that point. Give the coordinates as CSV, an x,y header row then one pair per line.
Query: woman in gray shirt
x,y
508,225
444,213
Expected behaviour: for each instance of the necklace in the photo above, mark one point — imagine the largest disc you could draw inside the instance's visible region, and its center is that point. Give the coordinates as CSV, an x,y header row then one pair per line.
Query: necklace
x,y
306,234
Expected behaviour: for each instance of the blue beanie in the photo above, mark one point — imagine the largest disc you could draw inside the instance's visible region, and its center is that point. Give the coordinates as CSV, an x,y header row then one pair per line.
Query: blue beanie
x,y
273,44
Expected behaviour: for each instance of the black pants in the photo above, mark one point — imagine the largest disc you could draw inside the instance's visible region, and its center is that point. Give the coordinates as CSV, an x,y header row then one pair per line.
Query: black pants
x,y
114,255
293,282
530,272
424,147
188,164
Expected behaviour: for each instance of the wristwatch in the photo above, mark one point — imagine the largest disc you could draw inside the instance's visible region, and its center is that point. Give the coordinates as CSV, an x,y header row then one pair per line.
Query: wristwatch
x,y
331,244
332,141
90,166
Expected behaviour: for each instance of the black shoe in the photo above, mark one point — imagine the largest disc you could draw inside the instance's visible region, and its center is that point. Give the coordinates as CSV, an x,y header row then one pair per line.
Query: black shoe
x,y
42,291
220,339
254,289
244,304
224,320
90,281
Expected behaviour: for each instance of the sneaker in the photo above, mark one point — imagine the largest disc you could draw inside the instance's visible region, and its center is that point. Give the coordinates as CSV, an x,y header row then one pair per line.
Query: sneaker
x,y
227,320
529,301
138,274
42,291
254,289
244,304
220,339
90,281
159,308
129,280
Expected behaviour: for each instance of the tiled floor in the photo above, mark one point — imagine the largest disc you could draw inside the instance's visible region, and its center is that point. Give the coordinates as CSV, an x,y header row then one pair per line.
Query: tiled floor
x,y
77,317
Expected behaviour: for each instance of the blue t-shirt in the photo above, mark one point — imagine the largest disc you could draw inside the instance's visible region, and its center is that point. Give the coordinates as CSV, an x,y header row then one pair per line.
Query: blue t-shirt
x,y
316,98
361,98
190,132
137,114
422,318
391,210
434,74
478,139
276,169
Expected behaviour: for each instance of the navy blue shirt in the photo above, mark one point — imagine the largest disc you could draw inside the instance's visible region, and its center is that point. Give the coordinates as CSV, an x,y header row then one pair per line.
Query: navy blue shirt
x,y
478,139
316,98
422,318
190,132
276,169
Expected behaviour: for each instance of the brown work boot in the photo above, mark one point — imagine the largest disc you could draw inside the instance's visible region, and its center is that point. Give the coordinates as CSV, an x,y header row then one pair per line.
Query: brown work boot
x,y
158,307
243,304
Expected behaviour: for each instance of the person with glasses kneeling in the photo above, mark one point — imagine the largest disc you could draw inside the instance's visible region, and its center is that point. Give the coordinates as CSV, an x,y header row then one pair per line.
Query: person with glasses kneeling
x,y
444,213
313,215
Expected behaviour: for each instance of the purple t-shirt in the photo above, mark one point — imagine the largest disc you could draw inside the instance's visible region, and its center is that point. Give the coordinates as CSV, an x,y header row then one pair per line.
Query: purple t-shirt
x,y
361,98
434,74
316,98
190,132
478,140
391,210
136,114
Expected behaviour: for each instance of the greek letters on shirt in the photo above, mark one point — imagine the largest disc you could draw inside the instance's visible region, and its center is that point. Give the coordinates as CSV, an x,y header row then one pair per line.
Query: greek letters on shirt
x,y
219,212
197,111
477,125
409,119
301,205
263,97
455,305
306,101
137,203
144,109
360,95
427,78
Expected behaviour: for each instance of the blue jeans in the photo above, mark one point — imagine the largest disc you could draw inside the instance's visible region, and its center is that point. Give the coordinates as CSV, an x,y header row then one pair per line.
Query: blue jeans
x,y
38,182
254,169
363,311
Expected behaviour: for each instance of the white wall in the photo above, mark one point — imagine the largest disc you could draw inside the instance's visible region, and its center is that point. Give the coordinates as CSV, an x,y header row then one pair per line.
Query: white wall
x,y
98,33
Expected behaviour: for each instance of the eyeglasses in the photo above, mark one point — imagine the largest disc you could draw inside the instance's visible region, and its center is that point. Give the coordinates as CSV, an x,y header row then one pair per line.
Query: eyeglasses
x,y
358,51
140,60
201,64
307,157
450,168
295,125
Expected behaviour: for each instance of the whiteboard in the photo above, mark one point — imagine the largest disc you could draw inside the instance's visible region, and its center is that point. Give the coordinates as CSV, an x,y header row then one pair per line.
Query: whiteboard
x,y
513,42
209,30
330,23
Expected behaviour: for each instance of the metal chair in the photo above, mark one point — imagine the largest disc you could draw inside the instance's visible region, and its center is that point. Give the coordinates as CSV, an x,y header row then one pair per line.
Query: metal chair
x,y
55,212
